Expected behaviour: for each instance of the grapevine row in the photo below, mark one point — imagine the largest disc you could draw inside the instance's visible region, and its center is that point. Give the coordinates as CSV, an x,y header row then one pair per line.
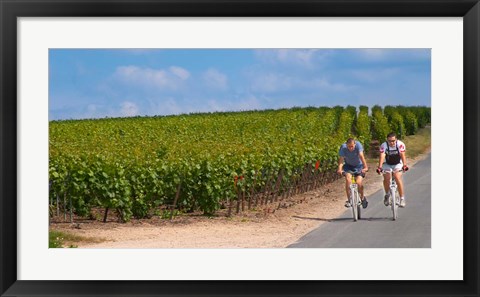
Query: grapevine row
x,y
137,166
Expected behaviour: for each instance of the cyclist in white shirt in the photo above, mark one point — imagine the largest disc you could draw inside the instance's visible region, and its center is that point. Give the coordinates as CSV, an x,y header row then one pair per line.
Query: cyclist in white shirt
x,y
392,157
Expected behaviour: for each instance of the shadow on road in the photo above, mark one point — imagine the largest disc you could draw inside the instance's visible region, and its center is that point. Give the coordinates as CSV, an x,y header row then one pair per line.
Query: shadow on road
x,y
371,219
323,220
377,219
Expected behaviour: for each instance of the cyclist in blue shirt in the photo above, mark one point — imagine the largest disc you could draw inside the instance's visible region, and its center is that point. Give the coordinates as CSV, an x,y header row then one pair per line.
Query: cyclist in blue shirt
x,y
352,159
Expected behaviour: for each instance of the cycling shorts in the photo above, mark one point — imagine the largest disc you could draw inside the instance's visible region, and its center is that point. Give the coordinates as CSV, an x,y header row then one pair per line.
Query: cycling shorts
x,y
356,170
396,167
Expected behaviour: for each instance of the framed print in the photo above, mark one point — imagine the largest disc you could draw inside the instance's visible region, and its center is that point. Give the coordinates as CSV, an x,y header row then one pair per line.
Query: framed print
x,y
36,33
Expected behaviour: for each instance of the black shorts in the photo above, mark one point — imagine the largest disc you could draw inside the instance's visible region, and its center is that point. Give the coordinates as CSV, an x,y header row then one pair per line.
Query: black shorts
x,y
355,170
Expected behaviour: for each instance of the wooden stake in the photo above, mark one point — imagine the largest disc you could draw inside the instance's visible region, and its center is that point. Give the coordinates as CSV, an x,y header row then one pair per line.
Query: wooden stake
x,y
105,215
177,195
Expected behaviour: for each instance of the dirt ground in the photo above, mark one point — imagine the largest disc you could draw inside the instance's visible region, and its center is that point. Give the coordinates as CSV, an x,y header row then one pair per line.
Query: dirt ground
x,y
268,227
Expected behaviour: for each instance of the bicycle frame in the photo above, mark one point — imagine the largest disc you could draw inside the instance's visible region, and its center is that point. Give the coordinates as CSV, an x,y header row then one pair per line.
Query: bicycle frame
x,y
394,197
355,198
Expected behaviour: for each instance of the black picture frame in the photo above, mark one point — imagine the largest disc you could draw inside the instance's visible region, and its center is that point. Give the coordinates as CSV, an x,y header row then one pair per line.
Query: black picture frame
x,y
10,10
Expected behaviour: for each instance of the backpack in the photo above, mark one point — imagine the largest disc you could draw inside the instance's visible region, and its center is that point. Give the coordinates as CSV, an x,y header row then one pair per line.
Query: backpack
x,y
393,157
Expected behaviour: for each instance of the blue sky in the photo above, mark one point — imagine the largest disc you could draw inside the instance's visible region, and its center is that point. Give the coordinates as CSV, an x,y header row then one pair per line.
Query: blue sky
x,y
98,83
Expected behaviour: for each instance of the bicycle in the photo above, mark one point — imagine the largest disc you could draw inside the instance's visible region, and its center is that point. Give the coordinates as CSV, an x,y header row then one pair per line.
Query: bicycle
x,y
355,200
394,195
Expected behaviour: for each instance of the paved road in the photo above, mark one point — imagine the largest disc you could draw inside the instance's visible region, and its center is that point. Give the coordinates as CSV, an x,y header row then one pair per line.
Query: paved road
x,y
376,229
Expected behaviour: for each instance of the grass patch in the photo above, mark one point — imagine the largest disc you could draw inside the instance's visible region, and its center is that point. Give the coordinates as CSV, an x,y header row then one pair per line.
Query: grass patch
x,y
417,144
59,239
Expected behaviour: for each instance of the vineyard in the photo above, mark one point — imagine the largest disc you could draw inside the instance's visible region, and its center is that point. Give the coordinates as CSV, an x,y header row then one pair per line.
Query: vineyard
x,y
145,166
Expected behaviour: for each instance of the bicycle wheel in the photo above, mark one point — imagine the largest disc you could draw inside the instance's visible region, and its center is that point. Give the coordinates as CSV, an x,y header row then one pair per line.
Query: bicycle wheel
x,y
359,206
354,204
394,204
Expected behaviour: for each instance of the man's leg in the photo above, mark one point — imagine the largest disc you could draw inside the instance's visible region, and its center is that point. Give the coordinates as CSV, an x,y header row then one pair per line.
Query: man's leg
x,y
398,179
360,191
359,180
348,182
386,182
386,187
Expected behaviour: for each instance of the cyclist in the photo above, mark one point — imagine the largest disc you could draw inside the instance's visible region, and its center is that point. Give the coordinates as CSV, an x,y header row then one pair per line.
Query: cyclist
x,y
392,157
352,159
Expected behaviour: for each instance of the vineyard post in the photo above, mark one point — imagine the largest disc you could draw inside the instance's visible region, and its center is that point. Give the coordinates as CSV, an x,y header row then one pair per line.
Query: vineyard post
x,y
243,200
65,206
291,190
229,213
315,178
252,192
238,201
230,200
58,205
257,194
291,186
284,189
51,197
321,177
312,177
266,191
105,215
304,179
309,177
176,199
71,209
298,180
277,186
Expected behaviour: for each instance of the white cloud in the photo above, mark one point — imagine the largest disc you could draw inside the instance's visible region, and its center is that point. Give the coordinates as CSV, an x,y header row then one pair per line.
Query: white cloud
x,y
140,51
271,82
128,109
323,84
165,106
171,78
180,72
241,102
385,54
308,58
376,75
373,53
249,102
214,105
277,82
215,79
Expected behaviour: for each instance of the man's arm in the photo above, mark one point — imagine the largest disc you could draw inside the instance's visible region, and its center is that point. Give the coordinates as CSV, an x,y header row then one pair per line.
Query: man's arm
x,y
362,158
381,159
404,158
340,165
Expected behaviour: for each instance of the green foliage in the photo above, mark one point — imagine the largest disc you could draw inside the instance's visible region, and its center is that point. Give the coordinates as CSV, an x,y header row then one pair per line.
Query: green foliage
x,y
136,165
57,239
380,125
363,128
411,122
388,112
345,126
423,115
397,125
